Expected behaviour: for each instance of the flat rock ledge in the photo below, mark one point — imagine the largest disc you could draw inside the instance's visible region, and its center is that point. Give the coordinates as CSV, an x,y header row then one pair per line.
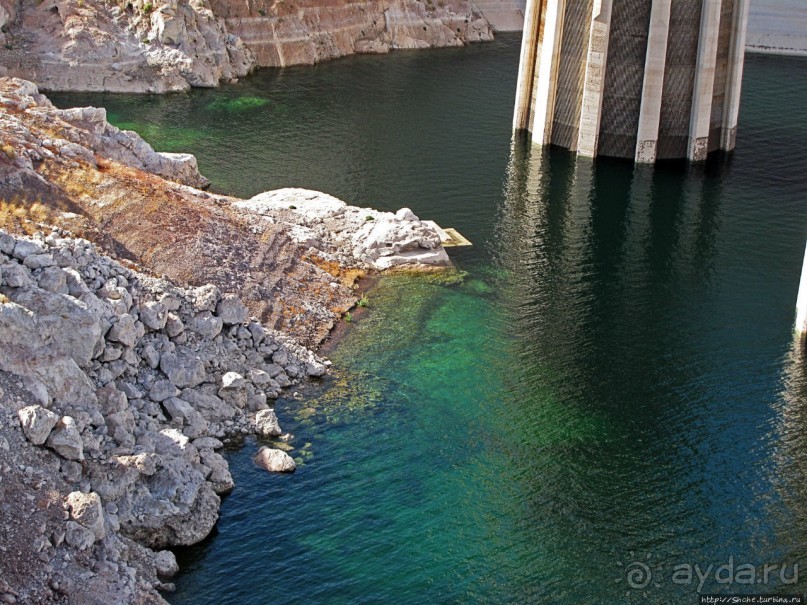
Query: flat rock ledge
x,y
116,392
349,235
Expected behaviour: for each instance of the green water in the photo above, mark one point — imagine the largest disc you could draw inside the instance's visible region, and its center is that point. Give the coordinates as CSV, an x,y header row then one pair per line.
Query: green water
x,y
610,385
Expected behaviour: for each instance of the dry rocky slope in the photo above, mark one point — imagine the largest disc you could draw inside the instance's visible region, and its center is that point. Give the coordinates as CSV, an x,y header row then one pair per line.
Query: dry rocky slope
x,y
126,362
171,45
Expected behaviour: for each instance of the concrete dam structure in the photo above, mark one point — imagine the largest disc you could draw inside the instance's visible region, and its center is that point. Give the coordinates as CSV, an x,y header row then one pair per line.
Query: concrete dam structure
x,y
641,79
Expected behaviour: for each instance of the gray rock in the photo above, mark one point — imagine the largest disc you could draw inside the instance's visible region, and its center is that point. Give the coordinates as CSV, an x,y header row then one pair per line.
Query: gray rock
x,y
153,315
234,390
258,333
206,324
195,423
86,510
231,310
267,424
219,478
54,279
39,261
7,243
65,439
78,536
211,407
66,324
75,284
37,423
150,356
315,368
174,326
162,390
24,248
183,369
206,297
275,461
165,564
71,471
210,443
15,276
124,331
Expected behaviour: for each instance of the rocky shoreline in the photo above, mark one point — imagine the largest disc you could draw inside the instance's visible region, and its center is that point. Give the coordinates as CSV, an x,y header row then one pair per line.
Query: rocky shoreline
x,y
126,362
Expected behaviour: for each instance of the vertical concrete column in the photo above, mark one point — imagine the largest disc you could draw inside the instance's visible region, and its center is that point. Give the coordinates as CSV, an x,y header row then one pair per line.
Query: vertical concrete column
x,y
801,303
594,81
734,80
653,85
526,66
548,65
703,92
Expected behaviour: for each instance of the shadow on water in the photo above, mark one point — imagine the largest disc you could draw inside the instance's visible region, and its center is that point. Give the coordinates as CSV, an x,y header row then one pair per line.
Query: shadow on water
x,y
611,271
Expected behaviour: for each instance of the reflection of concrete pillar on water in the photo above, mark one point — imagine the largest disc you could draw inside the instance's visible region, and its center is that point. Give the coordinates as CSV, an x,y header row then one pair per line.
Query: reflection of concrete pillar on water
x,y
640,79
801,304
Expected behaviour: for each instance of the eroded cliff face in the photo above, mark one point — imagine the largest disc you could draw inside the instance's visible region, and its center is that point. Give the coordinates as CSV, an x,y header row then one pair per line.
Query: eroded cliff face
x,y
290,32
120,46
170,45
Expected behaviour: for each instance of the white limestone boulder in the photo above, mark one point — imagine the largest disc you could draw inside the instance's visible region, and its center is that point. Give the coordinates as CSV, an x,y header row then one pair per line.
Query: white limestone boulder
x,y
275,461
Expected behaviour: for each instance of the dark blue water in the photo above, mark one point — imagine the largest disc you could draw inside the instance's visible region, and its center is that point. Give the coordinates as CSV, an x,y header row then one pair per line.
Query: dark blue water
x,y
607,400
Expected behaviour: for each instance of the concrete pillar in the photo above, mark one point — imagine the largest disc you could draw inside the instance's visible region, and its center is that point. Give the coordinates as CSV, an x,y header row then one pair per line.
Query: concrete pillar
x,y
548,65
594,81
703,92
735,75
526,66
653,86
801,303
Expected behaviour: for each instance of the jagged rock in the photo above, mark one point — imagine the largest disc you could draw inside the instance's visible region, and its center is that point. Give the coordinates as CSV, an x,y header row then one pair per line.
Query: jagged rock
x,y
124,331
162,390
54,279
86,510
37,423
78,536
150,356
174,326
65,439
24,248
206,324
39,261
267,424
15,276
206,297
212,408
154,315
234,389
122,426
231,310
7,244
182,369
195,424
66,324
275,461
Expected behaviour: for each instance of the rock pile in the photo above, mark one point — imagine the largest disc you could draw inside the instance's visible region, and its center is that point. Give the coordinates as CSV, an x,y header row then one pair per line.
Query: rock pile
x,y
116,390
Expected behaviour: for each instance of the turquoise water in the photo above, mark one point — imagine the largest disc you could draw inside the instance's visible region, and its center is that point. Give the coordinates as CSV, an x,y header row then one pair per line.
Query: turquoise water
x,y
610,386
